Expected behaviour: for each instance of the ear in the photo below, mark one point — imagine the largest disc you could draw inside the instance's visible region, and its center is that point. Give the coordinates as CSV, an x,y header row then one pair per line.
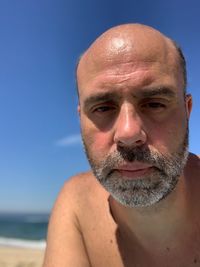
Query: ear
x,y
79,109
188,103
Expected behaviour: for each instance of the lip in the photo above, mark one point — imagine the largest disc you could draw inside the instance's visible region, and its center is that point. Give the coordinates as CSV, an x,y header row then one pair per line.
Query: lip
x,y
134,171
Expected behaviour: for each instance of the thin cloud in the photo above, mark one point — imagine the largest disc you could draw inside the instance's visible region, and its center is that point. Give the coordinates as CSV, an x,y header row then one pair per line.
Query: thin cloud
x,y
71,140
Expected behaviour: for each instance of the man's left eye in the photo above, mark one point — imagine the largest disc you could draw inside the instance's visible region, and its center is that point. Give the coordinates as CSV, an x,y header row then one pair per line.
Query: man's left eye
x,y
154,105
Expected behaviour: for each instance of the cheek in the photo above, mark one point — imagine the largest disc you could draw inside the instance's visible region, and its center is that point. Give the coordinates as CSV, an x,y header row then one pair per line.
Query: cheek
x,y
97,142
169,135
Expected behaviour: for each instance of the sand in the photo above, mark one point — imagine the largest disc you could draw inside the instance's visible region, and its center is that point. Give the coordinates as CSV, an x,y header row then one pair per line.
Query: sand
x,y
21,257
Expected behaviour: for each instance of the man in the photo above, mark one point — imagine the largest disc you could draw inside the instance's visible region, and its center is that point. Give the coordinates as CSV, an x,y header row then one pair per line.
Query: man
x,y
140,205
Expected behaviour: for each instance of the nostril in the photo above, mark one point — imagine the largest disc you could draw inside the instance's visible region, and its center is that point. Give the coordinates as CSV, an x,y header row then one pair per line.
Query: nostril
x,y
135,139
139,142
129,143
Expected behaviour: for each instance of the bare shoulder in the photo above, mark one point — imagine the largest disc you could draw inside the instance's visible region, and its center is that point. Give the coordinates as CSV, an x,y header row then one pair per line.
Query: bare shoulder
x,y
81,187
84,180
65,243
192,169
84,194
194,161
77,195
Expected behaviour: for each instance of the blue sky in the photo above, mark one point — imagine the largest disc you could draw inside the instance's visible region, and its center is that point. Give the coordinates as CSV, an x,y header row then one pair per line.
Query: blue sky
x,y
40,42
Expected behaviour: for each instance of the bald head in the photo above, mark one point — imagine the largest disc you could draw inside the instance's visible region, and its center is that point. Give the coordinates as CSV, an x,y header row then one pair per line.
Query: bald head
x,y
131,43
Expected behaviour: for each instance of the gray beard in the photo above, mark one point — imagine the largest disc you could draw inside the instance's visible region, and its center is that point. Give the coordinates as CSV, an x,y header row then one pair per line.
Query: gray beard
x,y
143,191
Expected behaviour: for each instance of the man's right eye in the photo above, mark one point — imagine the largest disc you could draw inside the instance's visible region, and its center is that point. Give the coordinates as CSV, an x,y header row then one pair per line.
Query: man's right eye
x,y
103,109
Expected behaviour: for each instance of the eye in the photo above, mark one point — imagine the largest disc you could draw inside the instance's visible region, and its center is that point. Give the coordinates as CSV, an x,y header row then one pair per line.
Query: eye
x,y
103,109
153,105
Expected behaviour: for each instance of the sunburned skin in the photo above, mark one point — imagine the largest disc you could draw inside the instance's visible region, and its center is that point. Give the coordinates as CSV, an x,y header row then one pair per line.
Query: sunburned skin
x,y
139,205
110,241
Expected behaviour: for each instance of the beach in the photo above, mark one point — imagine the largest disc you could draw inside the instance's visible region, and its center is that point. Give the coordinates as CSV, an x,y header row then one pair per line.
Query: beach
x,y
22,239
20,257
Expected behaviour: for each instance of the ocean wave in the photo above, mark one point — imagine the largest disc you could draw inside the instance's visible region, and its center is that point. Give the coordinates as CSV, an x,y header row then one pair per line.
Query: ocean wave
x,y
35,219
21,243
24,218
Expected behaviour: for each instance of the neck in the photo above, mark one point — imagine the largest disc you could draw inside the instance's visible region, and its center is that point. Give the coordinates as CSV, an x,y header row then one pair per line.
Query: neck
x,y
165,218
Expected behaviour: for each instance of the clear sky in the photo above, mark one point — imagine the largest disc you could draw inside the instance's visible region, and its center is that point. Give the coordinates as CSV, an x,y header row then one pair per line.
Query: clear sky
x,y
40,42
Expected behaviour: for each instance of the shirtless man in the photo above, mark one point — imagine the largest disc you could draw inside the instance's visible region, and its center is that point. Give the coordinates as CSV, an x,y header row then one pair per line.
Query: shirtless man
x,y
140,204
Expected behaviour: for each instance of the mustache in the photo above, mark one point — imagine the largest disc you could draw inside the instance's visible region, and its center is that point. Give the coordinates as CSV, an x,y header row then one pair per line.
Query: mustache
x,y
124,154
136,154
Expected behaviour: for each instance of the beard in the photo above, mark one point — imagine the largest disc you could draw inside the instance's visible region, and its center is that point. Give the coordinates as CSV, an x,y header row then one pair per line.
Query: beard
x,y
144,190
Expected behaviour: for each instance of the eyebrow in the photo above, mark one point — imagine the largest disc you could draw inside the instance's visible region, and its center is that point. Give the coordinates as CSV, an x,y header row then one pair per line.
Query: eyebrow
x,y
143,93
101,97
159,91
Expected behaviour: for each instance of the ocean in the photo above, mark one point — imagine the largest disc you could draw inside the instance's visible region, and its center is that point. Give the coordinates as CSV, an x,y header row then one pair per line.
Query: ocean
x,y
23,230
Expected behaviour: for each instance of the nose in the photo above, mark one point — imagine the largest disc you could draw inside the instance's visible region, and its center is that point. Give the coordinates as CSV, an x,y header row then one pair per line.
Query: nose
x,y
128,128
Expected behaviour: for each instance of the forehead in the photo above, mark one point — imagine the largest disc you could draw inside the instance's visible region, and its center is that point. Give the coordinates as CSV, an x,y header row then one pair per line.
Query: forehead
x,y
129,79
126,60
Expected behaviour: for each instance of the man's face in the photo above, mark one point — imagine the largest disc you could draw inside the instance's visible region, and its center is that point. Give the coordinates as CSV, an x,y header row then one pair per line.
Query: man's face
x,y
134,123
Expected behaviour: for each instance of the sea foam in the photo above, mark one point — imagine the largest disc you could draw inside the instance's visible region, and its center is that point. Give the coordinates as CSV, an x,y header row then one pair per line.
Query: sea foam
x,y
22,243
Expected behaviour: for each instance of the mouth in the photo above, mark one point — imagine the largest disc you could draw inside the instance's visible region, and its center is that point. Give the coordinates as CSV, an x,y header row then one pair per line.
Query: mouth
x,y
134,171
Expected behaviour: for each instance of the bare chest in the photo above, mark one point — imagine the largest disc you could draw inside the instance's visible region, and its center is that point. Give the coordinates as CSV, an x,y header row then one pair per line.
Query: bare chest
x,y
107,248
106,245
